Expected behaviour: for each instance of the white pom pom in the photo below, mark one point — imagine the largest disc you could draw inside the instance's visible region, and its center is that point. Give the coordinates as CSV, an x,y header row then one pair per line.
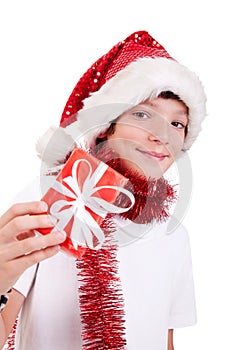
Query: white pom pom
x,y
54,145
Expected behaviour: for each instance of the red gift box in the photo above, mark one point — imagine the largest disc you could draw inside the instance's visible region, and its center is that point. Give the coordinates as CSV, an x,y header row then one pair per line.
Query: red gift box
x,y
82,195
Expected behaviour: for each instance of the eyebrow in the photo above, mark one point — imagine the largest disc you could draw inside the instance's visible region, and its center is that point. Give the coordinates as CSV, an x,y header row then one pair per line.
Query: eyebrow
x,y
148,103
182,113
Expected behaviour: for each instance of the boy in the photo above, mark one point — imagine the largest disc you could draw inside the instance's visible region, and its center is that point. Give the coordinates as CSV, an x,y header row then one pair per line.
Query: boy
x,y
156,109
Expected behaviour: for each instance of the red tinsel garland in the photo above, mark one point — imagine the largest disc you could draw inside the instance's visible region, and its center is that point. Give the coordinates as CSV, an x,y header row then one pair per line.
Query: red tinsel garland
x,y
101,300
11,337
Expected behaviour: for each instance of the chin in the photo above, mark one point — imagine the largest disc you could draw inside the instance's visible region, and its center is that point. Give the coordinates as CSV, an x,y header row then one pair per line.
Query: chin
x,y
155,172
148,174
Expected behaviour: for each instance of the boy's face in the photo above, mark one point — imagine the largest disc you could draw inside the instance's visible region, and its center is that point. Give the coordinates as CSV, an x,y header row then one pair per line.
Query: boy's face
x,y
149,136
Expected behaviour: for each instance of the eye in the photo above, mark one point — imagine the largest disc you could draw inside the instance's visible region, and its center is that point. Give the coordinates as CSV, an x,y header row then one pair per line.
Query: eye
x,y
141,115
178,125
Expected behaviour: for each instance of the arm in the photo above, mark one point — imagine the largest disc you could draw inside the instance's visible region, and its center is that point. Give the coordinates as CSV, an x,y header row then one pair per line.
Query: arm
x,y
9,315
20,249
170,345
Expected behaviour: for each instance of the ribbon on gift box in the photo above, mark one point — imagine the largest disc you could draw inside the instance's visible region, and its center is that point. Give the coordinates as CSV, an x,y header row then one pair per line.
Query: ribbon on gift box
x,y
84,225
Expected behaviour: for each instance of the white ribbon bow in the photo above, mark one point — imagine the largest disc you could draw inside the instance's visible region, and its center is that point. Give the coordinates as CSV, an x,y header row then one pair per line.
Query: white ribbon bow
x,y
84,225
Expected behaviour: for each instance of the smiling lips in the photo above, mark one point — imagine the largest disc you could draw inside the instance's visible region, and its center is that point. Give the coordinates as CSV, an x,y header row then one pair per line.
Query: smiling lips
x,y
155,155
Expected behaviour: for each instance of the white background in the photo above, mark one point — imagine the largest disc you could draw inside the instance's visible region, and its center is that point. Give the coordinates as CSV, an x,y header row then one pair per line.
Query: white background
x,y
45,47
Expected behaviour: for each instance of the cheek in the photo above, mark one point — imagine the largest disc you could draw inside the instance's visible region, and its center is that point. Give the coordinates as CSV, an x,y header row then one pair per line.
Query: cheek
x,y
123,138
176,143
121,146
122,131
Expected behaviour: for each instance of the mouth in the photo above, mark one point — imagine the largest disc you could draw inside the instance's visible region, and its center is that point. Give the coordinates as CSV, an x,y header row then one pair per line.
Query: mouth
x,y
154,155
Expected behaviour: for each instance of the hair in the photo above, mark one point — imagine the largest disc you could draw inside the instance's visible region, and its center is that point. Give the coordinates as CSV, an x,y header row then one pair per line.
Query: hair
x,y
169,95
164,94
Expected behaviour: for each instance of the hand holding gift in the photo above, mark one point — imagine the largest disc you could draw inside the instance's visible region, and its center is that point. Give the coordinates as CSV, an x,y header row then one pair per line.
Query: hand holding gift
x,y
19,248
81,197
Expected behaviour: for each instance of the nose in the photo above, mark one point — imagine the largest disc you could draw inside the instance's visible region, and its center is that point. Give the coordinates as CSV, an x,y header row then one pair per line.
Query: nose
x,y
160,132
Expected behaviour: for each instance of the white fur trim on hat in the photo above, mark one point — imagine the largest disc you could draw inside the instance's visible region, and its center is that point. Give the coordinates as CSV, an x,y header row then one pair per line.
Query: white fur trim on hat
x,y
144,78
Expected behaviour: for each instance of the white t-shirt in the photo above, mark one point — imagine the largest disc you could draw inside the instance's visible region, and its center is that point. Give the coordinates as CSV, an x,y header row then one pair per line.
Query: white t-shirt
x,y
157,283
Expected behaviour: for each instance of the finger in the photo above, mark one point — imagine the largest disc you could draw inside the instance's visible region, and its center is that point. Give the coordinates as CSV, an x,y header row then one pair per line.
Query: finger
x,y
25,235
25,223
17,267
20,209
18,249
33,258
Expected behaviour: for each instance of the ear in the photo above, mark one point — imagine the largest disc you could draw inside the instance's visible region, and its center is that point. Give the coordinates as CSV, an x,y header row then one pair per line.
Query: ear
x,y
102,135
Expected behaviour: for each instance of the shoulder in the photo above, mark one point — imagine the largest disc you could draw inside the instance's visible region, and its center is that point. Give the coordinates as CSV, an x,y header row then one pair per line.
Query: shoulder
x,y
176,230
34,190
30,192
177,235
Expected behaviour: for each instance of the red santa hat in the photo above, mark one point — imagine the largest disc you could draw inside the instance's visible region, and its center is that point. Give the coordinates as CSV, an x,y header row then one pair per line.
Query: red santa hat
x,y
134,70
